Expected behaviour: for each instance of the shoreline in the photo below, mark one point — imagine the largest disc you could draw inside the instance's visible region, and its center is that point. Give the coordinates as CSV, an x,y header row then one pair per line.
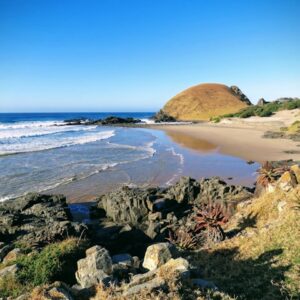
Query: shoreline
x,y
239,141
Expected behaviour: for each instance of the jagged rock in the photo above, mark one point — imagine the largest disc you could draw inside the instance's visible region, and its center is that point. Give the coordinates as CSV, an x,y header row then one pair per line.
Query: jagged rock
x,y
184,191
9,271
12,255
219,191
126,205
95,268
37,219
158,254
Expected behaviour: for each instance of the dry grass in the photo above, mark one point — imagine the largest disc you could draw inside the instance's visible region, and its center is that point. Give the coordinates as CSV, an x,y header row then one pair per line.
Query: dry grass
x,y
203,101
262,262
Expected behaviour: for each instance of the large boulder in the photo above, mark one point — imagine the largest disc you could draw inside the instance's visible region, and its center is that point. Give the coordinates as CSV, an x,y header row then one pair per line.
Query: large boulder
x,y
37,219
158,254
95,268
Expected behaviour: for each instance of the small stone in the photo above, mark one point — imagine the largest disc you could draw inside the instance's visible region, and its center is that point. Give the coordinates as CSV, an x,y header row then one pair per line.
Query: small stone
x,y
158,254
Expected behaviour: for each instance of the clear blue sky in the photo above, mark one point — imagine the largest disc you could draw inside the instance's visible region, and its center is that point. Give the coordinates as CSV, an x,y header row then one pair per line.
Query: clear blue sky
x,y
127,55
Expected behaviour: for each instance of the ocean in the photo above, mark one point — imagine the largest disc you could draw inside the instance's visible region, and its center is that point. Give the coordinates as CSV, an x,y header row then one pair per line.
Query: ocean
x,y
38,153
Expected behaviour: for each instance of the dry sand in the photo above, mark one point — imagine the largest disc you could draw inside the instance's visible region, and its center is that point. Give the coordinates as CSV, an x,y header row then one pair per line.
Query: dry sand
x,y
239,137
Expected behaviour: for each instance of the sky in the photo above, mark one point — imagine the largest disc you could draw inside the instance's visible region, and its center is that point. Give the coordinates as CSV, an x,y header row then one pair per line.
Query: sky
x,y
134,55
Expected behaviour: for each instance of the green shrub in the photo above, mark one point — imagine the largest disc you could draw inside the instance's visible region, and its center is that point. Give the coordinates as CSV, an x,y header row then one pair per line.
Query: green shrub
x,y
263,111
55,262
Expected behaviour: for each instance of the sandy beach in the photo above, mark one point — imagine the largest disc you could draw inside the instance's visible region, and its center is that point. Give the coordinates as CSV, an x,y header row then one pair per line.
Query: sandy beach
x,y
239,137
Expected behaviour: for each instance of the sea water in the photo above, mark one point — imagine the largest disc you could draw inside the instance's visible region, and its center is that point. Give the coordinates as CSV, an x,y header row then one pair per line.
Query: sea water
x,y
39,153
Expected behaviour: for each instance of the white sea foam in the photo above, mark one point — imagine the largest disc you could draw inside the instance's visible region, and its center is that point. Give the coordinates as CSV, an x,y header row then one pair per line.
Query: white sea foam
x,y
46,144
179,171
181,157
32,129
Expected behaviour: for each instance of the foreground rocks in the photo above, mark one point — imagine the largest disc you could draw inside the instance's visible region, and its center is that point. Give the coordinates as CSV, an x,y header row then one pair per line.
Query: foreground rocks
x,y
37,220
160,259
133,218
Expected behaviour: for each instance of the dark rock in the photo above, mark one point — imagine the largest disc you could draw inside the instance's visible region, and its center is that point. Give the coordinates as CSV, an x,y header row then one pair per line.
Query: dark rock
x,y
240,94
184,191
162,116
37,219
118,120
126,205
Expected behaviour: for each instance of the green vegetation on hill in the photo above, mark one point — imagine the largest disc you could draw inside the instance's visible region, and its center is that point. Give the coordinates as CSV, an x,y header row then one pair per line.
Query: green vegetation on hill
x,y
261,111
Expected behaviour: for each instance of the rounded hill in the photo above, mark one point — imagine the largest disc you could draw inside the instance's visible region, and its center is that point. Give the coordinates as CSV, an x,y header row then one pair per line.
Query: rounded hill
x,y
204,101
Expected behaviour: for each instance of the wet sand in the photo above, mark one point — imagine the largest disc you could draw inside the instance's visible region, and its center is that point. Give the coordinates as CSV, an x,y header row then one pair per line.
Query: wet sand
x,y
246,143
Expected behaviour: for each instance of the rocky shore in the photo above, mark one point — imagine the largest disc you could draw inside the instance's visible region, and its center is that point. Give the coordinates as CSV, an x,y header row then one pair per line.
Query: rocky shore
x,y
136,243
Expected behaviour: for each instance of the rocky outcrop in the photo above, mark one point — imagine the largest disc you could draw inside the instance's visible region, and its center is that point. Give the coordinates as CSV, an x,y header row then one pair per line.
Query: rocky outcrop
x,y
112,120
161,117
133,218
37,219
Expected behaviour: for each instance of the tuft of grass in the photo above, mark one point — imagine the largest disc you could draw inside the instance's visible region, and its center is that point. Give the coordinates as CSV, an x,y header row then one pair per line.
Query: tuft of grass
x,y
55,262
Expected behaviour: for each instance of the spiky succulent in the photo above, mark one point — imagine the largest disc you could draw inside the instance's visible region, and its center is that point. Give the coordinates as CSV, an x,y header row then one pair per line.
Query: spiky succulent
x,y
269,174
210,217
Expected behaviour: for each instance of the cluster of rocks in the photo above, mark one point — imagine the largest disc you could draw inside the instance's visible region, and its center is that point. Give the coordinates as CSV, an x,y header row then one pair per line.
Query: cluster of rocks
x,y
132,218
160,263
112,120
36,220
162,116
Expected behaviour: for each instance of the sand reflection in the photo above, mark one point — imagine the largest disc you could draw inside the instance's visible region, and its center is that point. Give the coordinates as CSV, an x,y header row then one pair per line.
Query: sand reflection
x,y
191,142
